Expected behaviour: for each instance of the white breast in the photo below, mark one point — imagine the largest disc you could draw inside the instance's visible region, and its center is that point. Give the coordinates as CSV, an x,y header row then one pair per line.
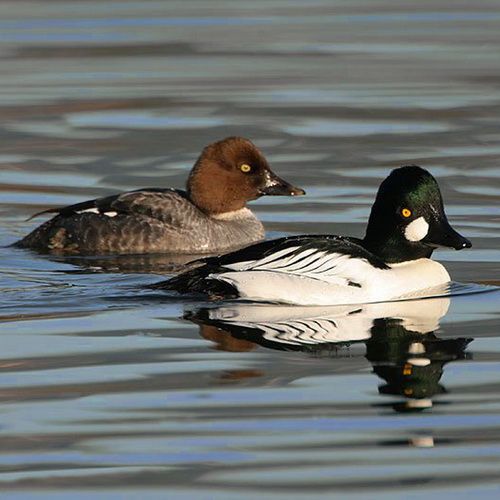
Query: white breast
x,y
416,278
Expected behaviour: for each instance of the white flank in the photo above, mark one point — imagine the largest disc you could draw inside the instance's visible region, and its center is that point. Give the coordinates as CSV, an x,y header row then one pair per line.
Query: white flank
x,y
273,286
336,279
417,229
110,214
242,213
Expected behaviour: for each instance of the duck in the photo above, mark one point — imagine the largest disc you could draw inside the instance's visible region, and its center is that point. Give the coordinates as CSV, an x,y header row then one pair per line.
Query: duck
x,y
392,262
209,216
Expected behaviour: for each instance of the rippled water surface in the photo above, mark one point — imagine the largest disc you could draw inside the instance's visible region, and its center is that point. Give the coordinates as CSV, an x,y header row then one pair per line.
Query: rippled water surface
x,y
110,391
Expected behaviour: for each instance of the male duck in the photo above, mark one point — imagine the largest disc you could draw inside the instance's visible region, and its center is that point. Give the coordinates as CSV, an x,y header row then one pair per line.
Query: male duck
x,y
210,216
391,262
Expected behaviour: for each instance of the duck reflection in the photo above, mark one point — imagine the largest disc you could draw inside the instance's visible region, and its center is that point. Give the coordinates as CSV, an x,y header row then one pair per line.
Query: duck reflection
x,y
411,363
399,337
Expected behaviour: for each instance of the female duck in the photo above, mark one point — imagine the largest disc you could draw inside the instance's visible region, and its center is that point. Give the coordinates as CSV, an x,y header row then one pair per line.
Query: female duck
x,y
392,262
210,216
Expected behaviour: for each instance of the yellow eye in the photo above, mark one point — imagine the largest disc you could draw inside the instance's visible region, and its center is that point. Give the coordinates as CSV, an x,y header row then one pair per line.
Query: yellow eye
x,y
406,212
245,168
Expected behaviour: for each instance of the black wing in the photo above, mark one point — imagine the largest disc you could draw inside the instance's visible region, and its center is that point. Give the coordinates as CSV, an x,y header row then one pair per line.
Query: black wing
x,y
296,244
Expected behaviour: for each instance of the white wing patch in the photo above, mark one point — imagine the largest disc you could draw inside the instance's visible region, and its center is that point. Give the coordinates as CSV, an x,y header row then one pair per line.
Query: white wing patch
x,y
96,211
89,211
330,267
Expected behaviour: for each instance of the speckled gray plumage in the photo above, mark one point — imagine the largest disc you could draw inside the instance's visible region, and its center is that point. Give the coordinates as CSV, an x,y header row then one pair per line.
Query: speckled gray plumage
x,y
146,221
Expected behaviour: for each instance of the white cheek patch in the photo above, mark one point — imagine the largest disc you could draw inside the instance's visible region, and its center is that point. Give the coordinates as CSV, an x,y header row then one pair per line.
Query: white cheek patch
x,y
417,230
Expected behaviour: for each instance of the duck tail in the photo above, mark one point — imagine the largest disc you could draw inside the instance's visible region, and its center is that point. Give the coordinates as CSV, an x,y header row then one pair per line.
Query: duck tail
x,y
198,281
187,282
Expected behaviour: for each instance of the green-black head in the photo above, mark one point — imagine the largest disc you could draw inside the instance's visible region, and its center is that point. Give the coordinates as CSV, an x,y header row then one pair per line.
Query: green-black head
x,y
407,220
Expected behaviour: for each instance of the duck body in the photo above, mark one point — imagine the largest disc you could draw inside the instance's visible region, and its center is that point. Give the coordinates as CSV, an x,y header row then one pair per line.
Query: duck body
x,y
311,270
144,221
392,262
210,216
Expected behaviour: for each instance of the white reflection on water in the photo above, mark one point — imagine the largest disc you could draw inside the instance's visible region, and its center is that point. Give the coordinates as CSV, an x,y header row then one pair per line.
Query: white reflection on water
x,y
318,325
401,339
301,325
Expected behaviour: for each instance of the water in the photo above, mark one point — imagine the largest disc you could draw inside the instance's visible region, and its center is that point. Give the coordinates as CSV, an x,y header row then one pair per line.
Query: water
x,y
109,391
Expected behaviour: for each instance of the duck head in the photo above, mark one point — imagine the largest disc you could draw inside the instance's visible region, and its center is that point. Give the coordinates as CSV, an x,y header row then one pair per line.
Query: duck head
x,y
231,172
407,220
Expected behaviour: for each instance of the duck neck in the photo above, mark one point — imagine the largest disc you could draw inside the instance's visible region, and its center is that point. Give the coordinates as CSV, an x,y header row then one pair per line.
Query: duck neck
x,y
213,204
219,196
393,248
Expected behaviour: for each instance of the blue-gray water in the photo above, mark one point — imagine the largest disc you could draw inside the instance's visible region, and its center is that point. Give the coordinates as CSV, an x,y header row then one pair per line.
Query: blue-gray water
x,y
105,391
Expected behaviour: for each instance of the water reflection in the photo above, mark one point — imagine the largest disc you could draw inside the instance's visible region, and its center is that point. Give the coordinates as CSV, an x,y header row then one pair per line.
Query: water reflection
x,y
411,363
400,339
140,263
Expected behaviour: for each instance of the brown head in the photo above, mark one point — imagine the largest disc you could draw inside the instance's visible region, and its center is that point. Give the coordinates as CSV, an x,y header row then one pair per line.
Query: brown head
x,y
231,172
